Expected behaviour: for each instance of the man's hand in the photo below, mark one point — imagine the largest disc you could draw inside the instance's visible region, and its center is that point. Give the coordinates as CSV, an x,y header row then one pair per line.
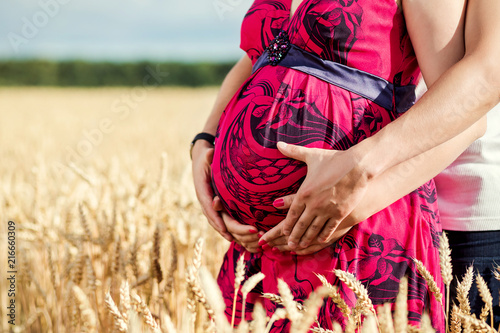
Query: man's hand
x,y
276,239
334,185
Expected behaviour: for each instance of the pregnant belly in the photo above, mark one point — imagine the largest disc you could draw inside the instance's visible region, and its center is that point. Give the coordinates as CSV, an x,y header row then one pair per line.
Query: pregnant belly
x,y
248,171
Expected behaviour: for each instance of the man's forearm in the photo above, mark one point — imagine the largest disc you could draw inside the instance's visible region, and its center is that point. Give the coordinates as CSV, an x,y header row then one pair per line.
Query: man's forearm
x,y
463,95
405,177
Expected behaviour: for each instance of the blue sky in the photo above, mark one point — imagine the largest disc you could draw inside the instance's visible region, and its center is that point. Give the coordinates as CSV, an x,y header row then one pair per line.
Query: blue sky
x,y
122,30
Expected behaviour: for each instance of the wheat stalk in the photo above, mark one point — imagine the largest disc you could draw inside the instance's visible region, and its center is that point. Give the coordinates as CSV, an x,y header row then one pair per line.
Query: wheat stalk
x,y
401,308
238,278
385,318
446,270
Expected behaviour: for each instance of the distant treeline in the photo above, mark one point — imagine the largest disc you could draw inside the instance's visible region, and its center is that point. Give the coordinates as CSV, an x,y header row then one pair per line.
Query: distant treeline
x,y
92,74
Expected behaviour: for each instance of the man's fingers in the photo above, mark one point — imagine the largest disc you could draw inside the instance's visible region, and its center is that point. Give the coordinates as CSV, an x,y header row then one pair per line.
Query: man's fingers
x,y
272,234
312,231
280,241
328,230
293,215
309,250
299,229
293,151
284,202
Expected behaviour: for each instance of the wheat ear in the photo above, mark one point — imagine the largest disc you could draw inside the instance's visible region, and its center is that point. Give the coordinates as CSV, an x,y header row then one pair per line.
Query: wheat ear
x,y
470,321
312,306
455,322
125,300
463,290
119,320
156,271
359,289
279,314
288,302
431,283
335,296
143,310
485,295
88,315
247,287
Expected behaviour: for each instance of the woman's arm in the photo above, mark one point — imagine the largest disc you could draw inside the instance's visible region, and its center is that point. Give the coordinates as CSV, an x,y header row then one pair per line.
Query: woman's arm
x,y
202,152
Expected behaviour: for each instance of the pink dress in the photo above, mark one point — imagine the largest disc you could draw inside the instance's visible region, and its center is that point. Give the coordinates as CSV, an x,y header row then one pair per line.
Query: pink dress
x,y
279,103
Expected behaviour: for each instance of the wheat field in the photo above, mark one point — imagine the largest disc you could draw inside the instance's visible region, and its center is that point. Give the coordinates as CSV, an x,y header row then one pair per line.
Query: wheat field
x,y
108,233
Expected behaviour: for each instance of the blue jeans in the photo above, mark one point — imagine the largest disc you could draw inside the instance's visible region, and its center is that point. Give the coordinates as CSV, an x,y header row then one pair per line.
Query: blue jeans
x,y
482,249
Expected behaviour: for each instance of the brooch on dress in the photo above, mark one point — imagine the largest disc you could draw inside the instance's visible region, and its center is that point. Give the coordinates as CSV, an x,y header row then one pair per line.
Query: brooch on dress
x,y
278,48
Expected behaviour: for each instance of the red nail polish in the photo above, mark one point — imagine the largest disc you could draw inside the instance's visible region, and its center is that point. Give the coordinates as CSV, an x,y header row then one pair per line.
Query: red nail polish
x,y
278,203
260,235
275,250
293,253
262,242
266,247
253,231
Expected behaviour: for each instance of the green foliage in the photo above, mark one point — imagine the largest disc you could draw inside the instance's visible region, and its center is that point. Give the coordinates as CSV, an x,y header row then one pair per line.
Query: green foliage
x,y
95,74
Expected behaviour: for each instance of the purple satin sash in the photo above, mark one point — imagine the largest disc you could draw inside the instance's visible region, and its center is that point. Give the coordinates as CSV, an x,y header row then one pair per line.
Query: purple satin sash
x,y
369,86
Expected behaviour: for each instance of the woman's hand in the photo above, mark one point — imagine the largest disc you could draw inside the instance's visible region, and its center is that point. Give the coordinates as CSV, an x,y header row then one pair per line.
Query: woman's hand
x,y
276,239
203,153
334,185
245,235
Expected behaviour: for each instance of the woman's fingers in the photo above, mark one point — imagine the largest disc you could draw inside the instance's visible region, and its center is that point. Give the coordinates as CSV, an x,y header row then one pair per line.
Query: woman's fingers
x,y
284,202
236,227
247,236
202,157
213,217
217,204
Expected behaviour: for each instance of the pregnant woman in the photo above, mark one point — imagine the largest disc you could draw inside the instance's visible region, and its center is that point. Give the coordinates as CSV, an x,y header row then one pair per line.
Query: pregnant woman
x,y
320,74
